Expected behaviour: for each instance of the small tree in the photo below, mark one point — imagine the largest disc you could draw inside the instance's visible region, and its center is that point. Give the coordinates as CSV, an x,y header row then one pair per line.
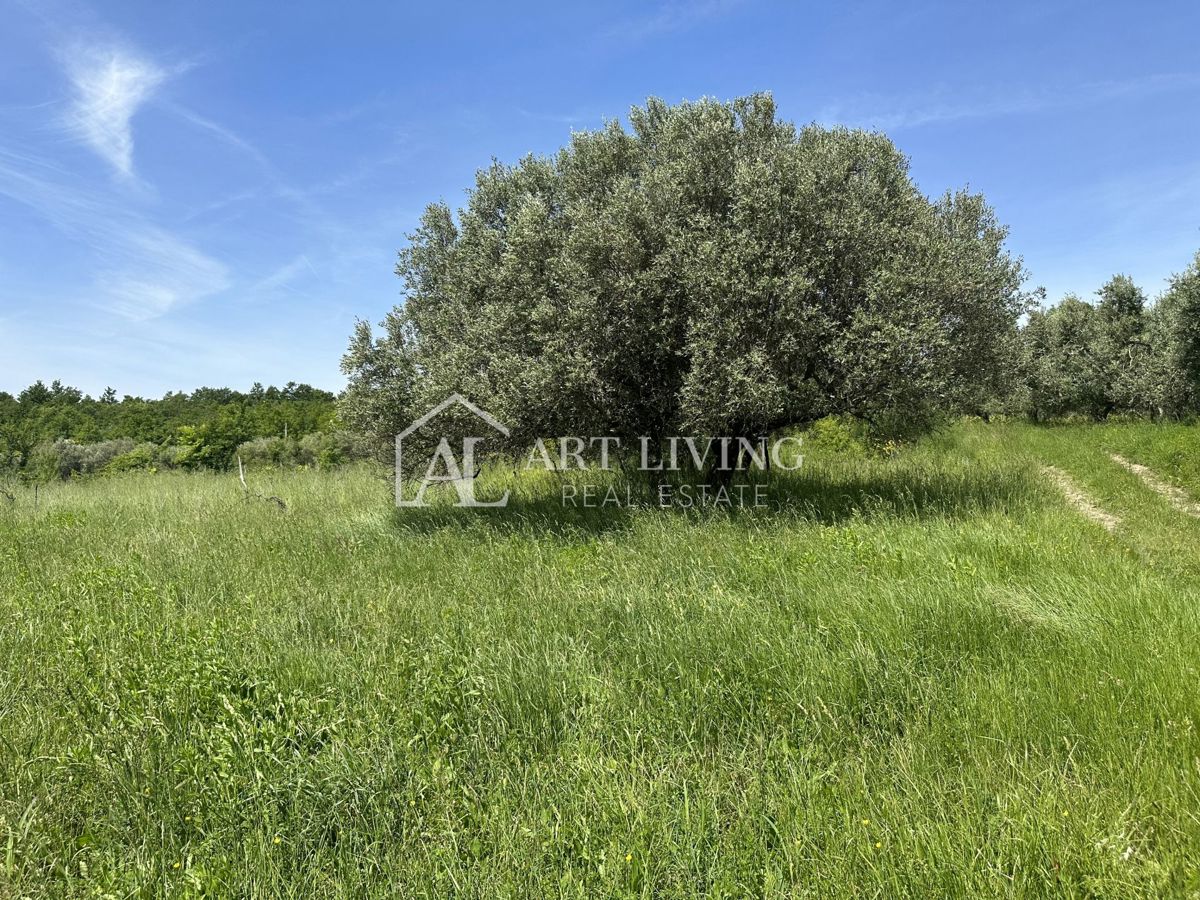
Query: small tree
x,y
378,400
1062,368
1121,348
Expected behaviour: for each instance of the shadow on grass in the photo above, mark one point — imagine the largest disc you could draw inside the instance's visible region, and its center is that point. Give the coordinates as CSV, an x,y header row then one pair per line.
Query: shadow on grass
x,y
825,496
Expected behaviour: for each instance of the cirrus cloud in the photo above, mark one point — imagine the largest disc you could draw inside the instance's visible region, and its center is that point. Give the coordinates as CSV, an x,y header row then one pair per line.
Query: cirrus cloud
x,y
110,84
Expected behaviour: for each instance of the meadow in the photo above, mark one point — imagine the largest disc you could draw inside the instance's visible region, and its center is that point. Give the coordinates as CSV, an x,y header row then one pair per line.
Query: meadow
x,y
921,673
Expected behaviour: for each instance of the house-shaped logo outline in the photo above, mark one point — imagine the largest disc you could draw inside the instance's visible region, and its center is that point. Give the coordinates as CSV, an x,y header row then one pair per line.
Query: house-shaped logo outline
x,y
486,417
445,404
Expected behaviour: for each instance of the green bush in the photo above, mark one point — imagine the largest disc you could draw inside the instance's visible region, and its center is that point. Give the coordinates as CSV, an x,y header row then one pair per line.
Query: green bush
x,y
324,450
269,451
320,450
836,436
214,444
146,456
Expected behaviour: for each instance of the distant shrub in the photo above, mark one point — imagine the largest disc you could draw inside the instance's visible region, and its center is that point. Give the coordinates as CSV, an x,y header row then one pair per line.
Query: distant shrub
x,y
46,464
269,451
142,457
324,450
171,456
1130,417
1076,418
214,444
63,459
320,450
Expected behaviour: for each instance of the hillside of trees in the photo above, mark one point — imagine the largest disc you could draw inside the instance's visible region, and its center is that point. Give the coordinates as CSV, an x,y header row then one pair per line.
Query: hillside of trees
x,y
56,430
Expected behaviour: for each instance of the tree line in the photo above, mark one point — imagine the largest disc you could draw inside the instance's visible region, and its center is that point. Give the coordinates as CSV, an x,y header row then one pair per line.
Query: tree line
x,y
1119,355
56,430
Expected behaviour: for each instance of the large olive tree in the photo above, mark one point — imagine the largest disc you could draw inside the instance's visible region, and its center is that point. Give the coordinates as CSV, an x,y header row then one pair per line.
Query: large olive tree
x,y
711,270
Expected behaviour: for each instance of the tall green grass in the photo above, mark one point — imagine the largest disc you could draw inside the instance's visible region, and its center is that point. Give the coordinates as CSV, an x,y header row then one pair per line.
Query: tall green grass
x,y
919,675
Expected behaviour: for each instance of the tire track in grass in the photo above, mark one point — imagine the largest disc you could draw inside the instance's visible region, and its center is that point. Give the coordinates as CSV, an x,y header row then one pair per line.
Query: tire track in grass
x,y
1079,499
1175,495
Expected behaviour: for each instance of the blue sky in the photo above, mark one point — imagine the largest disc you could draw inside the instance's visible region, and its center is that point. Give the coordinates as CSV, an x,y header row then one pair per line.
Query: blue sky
x,y
210,193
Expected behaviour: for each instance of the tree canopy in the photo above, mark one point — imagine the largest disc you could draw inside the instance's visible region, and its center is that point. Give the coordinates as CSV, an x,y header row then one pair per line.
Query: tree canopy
x,y
1120,355
710,270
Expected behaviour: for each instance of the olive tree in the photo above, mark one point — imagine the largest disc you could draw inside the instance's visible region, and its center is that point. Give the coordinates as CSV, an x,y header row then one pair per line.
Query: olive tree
x,y
1122,348
1180,313
710,270
1119,355
1062,370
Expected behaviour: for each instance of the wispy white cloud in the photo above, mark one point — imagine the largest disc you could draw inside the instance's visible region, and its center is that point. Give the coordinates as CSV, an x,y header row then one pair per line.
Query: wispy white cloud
x,y
157,272
220,205
225,135
895,113
109,85
590,118
664,18
274,178
1141,222
143,271
283,276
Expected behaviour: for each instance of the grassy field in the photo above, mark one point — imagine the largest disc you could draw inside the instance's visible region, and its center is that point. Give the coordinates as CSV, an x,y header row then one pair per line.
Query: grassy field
x,y
922,675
